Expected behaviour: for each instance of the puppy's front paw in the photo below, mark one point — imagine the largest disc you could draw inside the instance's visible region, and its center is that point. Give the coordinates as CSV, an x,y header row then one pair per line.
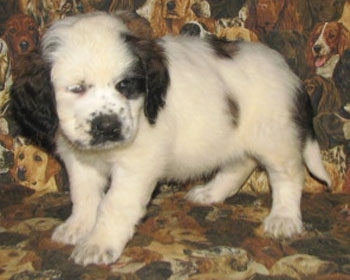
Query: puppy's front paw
x,y
282,226
92,251
71,231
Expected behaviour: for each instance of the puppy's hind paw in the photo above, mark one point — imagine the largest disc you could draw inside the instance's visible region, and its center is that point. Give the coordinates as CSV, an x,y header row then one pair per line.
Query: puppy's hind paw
x,y
204,195
282,226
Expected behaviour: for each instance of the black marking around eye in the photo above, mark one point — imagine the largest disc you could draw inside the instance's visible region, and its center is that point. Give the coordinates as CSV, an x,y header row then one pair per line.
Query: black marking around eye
x,y
131,88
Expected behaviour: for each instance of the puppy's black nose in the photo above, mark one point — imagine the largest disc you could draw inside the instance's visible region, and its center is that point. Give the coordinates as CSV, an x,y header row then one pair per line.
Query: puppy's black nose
x,y
317,48
106,128
171,5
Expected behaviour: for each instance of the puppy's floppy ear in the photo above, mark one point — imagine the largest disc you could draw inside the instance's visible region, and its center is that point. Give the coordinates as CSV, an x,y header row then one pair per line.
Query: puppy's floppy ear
x,y
154,63
32,100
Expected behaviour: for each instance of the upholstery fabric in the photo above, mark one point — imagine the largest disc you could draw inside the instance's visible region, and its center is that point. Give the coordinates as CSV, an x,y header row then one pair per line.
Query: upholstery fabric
x,y
178,239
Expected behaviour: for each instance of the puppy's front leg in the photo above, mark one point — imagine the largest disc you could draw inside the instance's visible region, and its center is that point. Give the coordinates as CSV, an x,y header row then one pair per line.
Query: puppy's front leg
x,y
86,189
120,210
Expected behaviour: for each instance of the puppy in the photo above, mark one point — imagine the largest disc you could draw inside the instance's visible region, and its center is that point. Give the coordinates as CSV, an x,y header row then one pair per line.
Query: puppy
x,y
21,35
139,111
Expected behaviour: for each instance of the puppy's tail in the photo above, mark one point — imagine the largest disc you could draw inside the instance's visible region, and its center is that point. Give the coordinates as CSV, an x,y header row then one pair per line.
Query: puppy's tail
x,y
313,161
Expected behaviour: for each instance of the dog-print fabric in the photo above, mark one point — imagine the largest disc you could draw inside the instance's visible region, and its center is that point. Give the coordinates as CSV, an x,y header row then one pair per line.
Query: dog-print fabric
x,y
177,239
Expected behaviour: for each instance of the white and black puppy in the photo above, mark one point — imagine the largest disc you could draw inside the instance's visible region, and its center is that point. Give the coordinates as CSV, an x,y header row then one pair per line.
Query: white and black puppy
x,y
139,111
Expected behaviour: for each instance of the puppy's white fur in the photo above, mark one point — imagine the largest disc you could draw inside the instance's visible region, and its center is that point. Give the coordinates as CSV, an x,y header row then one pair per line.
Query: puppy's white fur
x,y
220,113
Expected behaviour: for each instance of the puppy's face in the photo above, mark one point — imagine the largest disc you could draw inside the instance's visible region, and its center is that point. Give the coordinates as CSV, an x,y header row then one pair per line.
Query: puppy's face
x,y
92,80
99,83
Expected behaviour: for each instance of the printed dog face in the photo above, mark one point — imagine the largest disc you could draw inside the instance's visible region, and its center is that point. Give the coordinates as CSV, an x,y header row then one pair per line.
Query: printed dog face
x,y
34,167
21,34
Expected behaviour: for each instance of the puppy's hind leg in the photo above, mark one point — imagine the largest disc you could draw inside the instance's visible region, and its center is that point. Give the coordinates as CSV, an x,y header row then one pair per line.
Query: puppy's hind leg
x,y
286,180
226,183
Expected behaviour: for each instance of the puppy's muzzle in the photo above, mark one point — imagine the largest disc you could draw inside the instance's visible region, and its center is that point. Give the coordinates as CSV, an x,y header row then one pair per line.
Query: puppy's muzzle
x,y
106,128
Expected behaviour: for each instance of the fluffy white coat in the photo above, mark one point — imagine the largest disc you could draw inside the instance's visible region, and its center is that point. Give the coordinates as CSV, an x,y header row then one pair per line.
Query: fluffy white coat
x,y
226,114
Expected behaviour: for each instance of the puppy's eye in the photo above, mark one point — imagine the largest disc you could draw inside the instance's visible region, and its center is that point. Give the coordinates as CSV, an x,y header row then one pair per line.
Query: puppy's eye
x,y
127,87
12,30
124,85
78,89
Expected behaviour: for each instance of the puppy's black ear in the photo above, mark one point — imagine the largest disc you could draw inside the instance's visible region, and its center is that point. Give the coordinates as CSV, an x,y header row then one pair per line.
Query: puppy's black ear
x,y
157,80
32,101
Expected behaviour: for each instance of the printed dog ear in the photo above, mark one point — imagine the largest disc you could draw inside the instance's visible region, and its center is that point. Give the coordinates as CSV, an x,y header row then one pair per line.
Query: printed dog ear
x,y
32,101
156,73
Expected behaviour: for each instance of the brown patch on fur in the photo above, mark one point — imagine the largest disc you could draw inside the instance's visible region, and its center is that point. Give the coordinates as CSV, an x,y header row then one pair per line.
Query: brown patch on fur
x,y
223,48
233,108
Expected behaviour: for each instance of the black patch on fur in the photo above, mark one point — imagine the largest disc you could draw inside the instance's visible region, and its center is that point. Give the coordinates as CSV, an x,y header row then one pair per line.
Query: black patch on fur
x,y
133,85
224,48
303,115
157,79
32,101
233,108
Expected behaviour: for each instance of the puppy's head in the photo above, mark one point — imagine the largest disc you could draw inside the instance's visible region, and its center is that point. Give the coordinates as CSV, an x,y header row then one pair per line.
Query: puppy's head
x,y
102,78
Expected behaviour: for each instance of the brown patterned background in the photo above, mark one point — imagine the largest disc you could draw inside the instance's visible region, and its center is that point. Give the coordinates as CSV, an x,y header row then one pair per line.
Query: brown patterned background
x,y
179,240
